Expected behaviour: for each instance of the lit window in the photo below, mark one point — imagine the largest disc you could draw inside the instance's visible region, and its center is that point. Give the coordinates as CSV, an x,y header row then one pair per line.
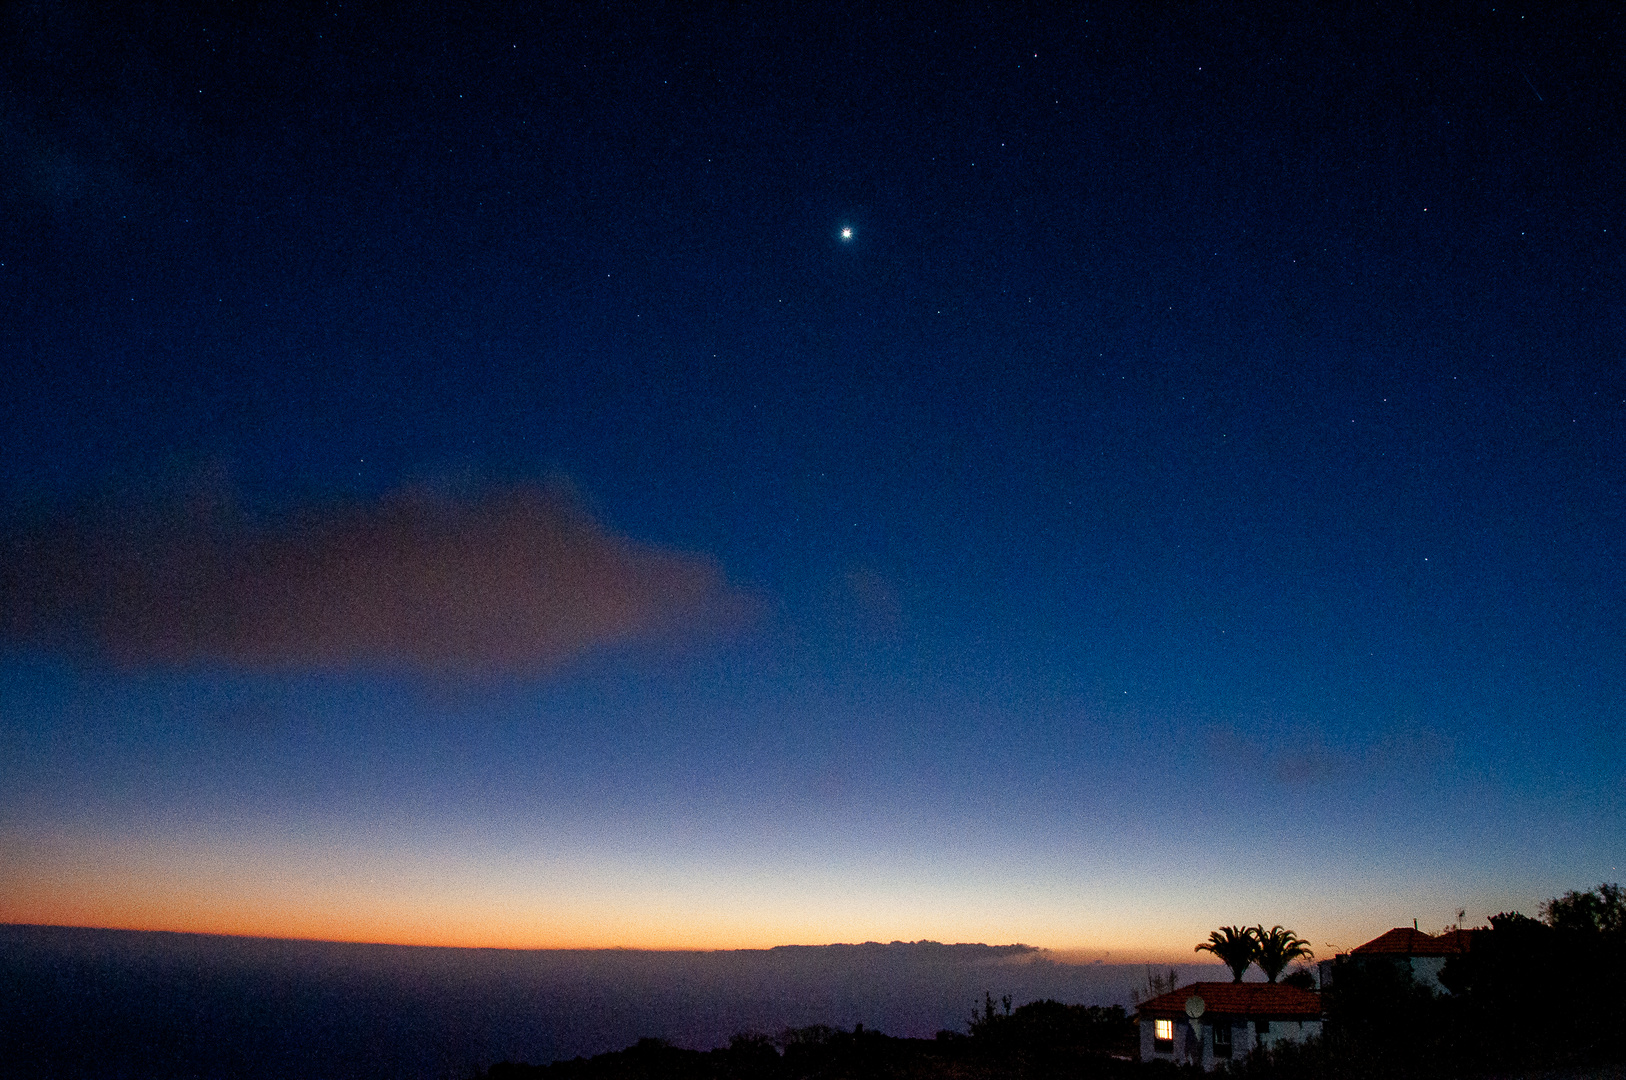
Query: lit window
x,y
1163,1031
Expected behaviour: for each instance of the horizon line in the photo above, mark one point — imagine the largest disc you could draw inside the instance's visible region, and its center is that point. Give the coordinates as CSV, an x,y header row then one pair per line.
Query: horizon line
x,y
1017,948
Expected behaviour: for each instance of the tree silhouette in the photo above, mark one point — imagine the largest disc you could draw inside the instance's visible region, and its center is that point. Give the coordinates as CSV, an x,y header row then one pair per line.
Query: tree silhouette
x,y
1601,911
1156,986
1278,947
1236,946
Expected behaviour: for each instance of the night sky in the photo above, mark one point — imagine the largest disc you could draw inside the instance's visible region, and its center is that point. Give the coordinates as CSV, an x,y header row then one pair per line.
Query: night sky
x,y
790,474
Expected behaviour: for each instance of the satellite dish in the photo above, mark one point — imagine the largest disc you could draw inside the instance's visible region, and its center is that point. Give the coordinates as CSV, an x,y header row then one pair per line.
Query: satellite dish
x,y
1194,1006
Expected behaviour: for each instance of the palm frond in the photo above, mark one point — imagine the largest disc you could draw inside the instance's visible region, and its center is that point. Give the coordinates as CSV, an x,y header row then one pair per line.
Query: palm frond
x,y
1279,947
1236,946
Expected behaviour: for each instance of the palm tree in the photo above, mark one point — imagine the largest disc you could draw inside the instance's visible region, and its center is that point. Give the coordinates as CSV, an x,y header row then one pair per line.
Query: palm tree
x,y
1236,946
1278,947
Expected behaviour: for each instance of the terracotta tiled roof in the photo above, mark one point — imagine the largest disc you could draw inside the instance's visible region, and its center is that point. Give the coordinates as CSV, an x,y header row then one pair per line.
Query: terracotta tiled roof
x,y
1238,999
1459,940
1405,941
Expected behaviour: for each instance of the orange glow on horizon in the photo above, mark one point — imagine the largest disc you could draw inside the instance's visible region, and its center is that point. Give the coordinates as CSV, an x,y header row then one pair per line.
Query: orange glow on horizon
x,y
260,930
462,927
153,902
347,893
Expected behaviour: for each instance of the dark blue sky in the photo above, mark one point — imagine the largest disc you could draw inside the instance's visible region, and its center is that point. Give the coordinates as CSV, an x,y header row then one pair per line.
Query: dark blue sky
x,y
1194,486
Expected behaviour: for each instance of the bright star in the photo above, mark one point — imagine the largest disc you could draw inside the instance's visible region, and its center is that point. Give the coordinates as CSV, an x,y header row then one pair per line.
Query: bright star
x,y
847,233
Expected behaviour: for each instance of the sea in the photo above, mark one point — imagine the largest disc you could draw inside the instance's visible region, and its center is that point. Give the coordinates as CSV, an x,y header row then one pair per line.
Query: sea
x,y
122,1003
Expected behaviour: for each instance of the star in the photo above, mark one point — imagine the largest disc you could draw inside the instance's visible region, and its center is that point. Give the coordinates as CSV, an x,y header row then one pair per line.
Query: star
x,y
846,232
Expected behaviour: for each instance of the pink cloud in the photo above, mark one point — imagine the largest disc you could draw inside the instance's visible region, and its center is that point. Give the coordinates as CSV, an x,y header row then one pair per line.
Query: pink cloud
x,y
516,581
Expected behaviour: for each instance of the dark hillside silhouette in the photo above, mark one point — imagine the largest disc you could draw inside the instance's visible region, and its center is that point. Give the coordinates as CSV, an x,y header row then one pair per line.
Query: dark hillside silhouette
x,y
1051,1028
1043,1040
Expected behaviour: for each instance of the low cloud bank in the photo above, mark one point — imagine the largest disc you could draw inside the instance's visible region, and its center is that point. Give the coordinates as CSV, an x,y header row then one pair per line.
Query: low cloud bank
x,y
515,581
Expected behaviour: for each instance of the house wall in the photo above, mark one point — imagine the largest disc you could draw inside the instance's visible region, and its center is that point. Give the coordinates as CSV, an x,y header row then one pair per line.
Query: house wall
x,y
1290,1031
1148,1030
1182,1033
1243,1038
1425,971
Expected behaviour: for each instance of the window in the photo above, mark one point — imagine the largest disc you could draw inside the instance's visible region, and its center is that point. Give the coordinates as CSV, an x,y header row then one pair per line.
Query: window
x,y
1222,1039
1262,1027
1163,1035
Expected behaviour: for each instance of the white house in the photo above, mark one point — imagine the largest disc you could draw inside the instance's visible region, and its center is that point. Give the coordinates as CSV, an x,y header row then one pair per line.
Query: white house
x,y
1424,955
1206,1023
